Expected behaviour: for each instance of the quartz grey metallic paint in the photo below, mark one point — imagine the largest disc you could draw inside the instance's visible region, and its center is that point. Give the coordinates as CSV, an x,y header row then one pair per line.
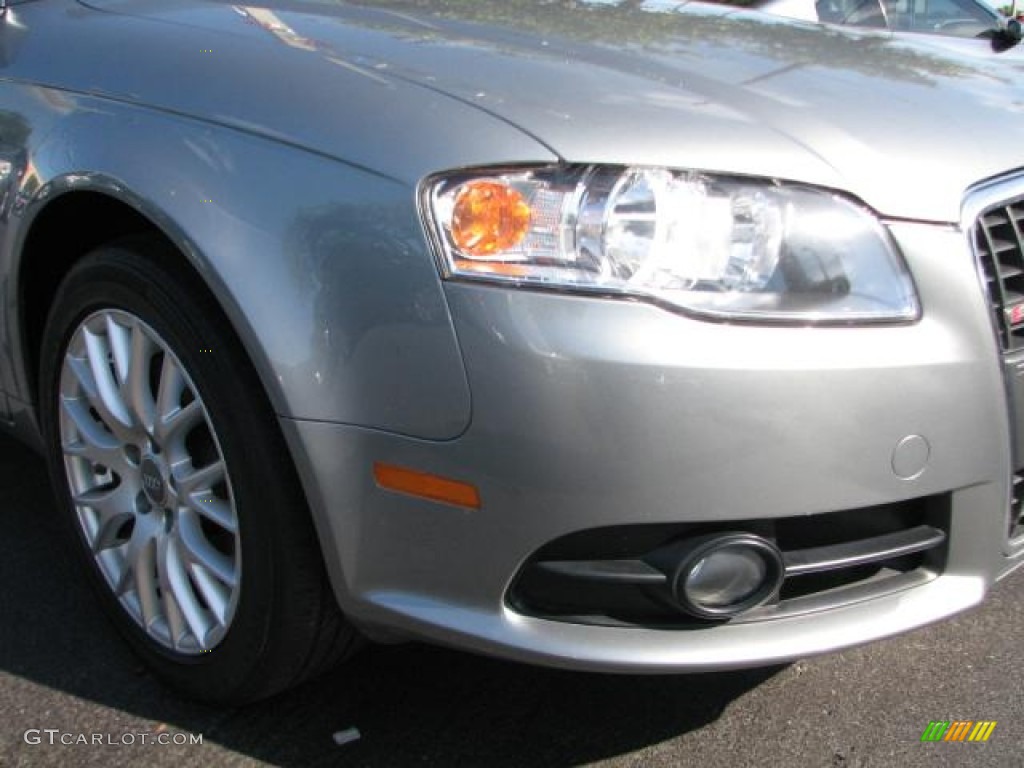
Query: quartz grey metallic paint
x,y
285,164
711,88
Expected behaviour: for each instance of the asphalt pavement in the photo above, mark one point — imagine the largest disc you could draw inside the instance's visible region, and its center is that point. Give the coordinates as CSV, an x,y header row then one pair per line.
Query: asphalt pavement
x,y
66,676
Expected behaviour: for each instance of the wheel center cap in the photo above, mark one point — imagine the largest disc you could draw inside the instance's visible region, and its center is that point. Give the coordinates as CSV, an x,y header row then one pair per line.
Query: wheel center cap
x,y
153,484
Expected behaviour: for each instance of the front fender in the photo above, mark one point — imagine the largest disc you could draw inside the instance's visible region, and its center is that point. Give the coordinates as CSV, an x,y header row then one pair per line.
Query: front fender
x,y
321,267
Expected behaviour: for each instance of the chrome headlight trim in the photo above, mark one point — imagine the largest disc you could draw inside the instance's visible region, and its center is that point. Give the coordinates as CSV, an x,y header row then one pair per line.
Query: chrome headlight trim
x,y
718,247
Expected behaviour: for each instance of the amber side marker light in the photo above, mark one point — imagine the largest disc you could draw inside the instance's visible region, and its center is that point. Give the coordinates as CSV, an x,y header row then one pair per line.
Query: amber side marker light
x,y
426,486
489,217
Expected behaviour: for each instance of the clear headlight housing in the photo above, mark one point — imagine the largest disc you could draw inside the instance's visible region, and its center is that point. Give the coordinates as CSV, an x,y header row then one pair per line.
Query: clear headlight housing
x,y
732,248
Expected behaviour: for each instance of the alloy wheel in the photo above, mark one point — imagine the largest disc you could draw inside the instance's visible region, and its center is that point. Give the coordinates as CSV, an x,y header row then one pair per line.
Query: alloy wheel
x,y
148,480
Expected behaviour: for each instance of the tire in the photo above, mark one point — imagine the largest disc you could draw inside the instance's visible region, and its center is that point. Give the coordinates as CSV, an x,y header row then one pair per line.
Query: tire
x,y
175,483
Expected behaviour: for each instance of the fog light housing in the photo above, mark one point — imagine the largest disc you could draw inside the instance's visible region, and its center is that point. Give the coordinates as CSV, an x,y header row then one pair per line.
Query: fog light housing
x,y
723,575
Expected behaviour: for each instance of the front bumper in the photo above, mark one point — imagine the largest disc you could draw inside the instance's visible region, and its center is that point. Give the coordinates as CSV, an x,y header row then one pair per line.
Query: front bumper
x,y
590,413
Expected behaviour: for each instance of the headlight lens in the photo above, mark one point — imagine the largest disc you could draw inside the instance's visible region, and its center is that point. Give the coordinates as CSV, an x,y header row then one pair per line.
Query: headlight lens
x,y
726,247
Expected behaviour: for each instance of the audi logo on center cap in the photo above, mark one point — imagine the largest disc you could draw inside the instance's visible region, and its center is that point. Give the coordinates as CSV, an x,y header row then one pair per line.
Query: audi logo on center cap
x,y
152,481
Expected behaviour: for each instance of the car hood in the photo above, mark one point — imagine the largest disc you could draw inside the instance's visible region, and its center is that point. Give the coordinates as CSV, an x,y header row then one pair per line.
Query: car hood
x,y
392,85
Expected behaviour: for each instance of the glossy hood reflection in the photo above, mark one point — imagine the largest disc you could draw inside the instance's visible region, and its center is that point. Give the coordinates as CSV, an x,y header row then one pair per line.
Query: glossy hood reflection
x,y
649,83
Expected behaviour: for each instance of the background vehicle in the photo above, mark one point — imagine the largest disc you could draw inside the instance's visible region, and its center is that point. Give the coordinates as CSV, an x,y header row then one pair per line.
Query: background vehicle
x,y
949,18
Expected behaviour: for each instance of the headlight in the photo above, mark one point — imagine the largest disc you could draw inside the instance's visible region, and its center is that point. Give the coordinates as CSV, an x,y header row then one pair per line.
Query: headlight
x,y
720,246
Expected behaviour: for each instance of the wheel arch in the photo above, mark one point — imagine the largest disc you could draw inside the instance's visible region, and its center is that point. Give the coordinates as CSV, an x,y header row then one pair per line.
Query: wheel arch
x,y
75,220
61,232
71,220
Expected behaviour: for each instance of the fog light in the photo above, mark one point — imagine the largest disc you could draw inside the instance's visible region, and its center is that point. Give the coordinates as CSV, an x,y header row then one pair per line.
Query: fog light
x,y
722,575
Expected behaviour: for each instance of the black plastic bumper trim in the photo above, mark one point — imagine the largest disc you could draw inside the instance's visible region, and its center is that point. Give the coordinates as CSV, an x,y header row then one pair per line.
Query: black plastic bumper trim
x,y
863,551
798,562
608,571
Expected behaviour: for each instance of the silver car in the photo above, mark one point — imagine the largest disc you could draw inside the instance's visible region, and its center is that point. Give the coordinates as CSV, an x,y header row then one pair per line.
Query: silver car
x,y
618,336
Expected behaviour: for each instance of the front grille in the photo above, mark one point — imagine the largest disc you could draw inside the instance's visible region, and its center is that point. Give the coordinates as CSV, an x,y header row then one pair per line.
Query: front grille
x,y
998,239
999,243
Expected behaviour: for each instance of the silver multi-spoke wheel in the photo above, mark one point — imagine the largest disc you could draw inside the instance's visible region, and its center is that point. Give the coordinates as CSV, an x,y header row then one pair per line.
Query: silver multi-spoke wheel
x,y
149,482
147,400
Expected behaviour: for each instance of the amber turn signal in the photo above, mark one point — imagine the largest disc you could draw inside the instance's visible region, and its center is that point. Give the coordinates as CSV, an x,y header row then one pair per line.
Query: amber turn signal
x,y
489,217
427,486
